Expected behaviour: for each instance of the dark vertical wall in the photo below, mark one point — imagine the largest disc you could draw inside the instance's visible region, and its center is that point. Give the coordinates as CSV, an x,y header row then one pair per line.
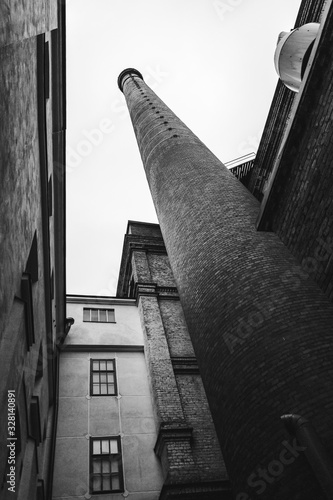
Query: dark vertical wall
x,y
261,330
299,204
29,317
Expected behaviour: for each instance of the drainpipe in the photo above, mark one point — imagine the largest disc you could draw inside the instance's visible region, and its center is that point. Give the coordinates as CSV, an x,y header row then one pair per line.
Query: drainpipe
x,y
315,452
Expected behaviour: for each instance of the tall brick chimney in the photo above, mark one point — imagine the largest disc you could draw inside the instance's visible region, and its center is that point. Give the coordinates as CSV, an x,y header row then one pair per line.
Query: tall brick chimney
x,y
261,329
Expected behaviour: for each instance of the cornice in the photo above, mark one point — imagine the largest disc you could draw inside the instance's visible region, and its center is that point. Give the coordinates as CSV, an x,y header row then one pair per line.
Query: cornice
x,y
101,348
95,299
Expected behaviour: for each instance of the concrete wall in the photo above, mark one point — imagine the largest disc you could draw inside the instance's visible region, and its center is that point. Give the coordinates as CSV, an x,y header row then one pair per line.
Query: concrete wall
x,y
24,214
129,414
25,19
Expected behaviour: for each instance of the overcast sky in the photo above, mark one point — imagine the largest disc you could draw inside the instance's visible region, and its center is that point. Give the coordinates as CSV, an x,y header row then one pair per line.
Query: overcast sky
x,y
210,61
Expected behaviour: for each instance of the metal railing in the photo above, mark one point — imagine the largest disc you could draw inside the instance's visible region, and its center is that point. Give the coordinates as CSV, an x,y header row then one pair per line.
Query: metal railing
x,y
241,167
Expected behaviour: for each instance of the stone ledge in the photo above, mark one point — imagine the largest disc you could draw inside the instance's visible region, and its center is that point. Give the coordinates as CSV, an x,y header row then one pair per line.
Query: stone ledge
x,y
209,490
172,432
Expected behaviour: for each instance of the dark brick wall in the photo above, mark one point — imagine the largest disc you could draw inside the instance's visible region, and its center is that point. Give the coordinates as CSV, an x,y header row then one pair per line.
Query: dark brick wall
x,y
251,325
207,453
144,230
160,270
179,340
140,267
175,453
279,114
300,204
187,444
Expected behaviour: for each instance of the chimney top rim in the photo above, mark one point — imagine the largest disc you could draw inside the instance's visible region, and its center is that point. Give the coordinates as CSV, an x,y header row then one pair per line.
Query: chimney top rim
x,y
125,72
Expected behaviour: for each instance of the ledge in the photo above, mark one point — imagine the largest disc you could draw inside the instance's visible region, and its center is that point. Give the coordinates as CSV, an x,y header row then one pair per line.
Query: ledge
x,y
101,347
185,365
172,432
99,299
204,490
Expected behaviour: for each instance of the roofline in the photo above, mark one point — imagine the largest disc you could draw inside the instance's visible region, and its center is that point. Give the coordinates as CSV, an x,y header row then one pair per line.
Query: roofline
x,y
98,299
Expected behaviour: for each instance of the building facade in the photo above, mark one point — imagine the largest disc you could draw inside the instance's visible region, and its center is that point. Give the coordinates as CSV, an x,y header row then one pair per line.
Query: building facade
x,y
106,429
32,241
133,417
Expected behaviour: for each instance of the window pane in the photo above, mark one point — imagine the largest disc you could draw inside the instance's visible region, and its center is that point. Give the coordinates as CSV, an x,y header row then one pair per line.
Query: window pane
x,y
111,378
115,483
114,445
110,389
114,465
106,483
96,365
102,315
105,446
96,447
106,467
103,389
94,315
102,365
111,317
103,377
96,378
97,483
86,314
97,465
110,365
96,389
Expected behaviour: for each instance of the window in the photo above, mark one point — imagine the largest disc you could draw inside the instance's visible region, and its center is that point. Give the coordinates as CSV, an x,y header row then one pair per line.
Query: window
x,y
32,263
40,363
99,315
26,293
106,474
40,489
34,420
103,377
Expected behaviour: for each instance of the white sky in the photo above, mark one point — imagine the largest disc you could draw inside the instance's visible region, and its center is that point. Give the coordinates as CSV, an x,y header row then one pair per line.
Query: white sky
x,y
210,61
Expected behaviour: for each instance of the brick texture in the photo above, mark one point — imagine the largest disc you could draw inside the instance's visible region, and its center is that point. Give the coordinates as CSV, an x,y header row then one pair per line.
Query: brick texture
x,y
261,338
160,270
207,454
179,340
300,207
279,113
187,444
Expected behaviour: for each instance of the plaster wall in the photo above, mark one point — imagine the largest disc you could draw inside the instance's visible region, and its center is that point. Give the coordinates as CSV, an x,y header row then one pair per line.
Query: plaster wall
x,y
126,330
129,414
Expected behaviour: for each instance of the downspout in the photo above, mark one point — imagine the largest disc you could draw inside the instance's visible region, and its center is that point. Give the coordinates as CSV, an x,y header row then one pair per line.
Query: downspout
x,y
315,452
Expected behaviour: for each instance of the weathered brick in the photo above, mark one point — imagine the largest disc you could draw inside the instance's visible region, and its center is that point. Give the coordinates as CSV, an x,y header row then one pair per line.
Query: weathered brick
x,y
246,300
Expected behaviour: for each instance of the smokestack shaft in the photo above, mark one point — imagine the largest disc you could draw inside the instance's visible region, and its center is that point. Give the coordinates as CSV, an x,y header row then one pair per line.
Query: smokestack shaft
x,y
251,310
